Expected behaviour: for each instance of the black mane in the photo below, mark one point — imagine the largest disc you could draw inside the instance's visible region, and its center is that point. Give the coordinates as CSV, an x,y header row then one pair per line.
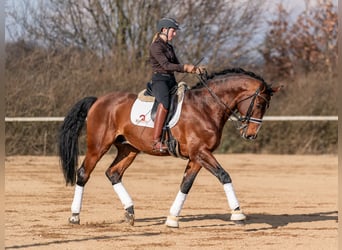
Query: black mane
x,y
233,71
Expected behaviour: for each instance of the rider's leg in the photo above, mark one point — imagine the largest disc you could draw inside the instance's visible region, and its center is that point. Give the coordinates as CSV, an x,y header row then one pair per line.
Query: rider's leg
x,y
161,90
158,127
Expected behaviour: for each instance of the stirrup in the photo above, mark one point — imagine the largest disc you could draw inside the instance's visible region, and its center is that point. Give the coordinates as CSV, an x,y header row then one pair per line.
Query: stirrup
x,y
160,147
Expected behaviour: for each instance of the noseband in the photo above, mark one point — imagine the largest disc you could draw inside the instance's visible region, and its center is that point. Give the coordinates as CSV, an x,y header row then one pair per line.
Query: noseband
x,y
243,121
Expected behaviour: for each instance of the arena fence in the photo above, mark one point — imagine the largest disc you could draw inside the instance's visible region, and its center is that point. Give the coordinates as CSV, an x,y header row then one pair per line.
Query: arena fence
x,y
45,134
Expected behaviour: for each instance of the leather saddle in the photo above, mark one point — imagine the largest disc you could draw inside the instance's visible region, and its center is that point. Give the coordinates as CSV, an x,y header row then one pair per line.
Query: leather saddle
x,y
146,95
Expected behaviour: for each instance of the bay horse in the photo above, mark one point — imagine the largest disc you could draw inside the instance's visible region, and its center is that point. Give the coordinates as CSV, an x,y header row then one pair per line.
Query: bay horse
x,y
207,106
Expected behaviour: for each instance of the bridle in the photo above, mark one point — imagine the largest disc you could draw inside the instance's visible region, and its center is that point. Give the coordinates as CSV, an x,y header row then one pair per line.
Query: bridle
x,y
248,117
240,122
243,121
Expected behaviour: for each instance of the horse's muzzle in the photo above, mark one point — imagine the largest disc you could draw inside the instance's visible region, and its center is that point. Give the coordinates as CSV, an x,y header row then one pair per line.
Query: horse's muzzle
x,y
248,137
250,132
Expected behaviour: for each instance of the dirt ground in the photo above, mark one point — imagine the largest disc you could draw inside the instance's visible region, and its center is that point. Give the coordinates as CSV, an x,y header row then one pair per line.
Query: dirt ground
x,y
290,201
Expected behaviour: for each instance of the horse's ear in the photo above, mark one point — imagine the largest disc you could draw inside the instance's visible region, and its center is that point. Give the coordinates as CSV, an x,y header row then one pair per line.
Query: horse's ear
x,y
276,89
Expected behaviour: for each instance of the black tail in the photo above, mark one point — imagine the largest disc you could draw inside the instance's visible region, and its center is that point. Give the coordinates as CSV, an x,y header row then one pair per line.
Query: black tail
x,y
68,137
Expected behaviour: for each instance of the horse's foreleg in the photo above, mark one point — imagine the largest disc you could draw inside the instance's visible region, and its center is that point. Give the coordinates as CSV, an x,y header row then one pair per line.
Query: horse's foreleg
x,y
189,176
126,155
208,161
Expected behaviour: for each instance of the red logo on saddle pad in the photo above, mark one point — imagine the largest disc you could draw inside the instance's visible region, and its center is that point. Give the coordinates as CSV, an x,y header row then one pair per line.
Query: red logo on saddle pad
x,y
142,117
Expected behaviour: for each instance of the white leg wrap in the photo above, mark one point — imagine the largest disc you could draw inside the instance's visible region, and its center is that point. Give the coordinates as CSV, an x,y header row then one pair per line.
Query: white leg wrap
x,y
231,197
124,197
178,204
77,202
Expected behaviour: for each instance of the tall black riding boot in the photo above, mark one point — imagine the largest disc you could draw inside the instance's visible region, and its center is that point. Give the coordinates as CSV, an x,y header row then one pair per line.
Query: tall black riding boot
x,y
158,127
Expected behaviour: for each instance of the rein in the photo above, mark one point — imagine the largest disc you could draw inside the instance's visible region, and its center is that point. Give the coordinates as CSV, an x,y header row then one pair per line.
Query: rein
x,y
236,116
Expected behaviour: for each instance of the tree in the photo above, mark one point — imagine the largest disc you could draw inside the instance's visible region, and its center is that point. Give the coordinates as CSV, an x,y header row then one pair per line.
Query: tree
x,y
306,45
221,30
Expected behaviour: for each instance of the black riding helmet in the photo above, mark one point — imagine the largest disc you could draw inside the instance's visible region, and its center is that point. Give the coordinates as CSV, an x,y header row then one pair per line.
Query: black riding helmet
x,y
167,23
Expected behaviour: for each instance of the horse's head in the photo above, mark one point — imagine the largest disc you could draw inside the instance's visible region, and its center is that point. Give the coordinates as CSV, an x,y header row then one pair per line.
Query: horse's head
x,y
251,96
252,106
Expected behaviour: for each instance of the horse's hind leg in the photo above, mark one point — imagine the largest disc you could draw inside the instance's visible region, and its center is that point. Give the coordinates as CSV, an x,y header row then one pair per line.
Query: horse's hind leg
x,y
93,155
125,156
83,175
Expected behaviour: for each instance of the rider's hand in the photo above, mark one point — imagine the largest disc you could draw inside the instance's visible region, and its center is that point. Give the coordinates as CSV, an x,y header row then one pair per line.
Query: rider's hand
x,y
189,68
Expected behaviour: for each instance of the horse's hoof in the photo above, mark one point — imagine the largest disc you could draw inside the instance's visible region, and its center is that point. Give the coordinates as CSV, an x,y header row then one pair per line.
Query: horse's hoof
x,y
172,221
74,219
129,218
239,222
237,216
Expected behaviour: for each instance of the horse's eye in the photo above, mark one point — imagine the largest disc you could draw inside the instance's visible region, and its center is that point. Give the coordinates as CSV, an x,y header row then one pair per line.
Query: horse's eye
x,y
260,106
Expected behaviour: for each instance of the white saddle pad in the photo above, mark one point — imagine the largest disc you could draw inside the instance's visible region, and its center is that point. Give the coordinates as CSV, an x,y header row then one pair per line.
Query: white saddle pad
x,y
141,113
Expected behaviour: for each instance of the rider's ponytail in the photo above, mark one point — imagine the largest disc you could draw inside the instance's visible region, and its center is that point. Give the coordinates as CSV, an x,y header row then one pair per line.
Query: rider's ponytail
x,y
155,37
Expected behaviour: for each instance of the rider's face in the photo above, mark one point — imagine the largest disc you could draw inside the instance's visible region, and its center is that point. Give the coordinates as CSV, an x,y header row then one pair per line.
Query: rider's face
x,y
171,34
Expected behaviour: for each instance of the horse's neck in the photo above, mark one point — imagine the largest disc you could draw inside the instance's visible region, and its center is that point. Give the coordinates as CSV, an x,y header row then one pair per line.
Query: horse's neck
x,y
226,93
213,101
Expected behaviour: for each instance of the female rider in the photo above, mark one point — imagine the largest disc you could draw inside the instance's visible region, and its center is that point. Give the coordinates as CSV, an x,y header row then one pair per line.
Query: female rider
x,y
164,63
